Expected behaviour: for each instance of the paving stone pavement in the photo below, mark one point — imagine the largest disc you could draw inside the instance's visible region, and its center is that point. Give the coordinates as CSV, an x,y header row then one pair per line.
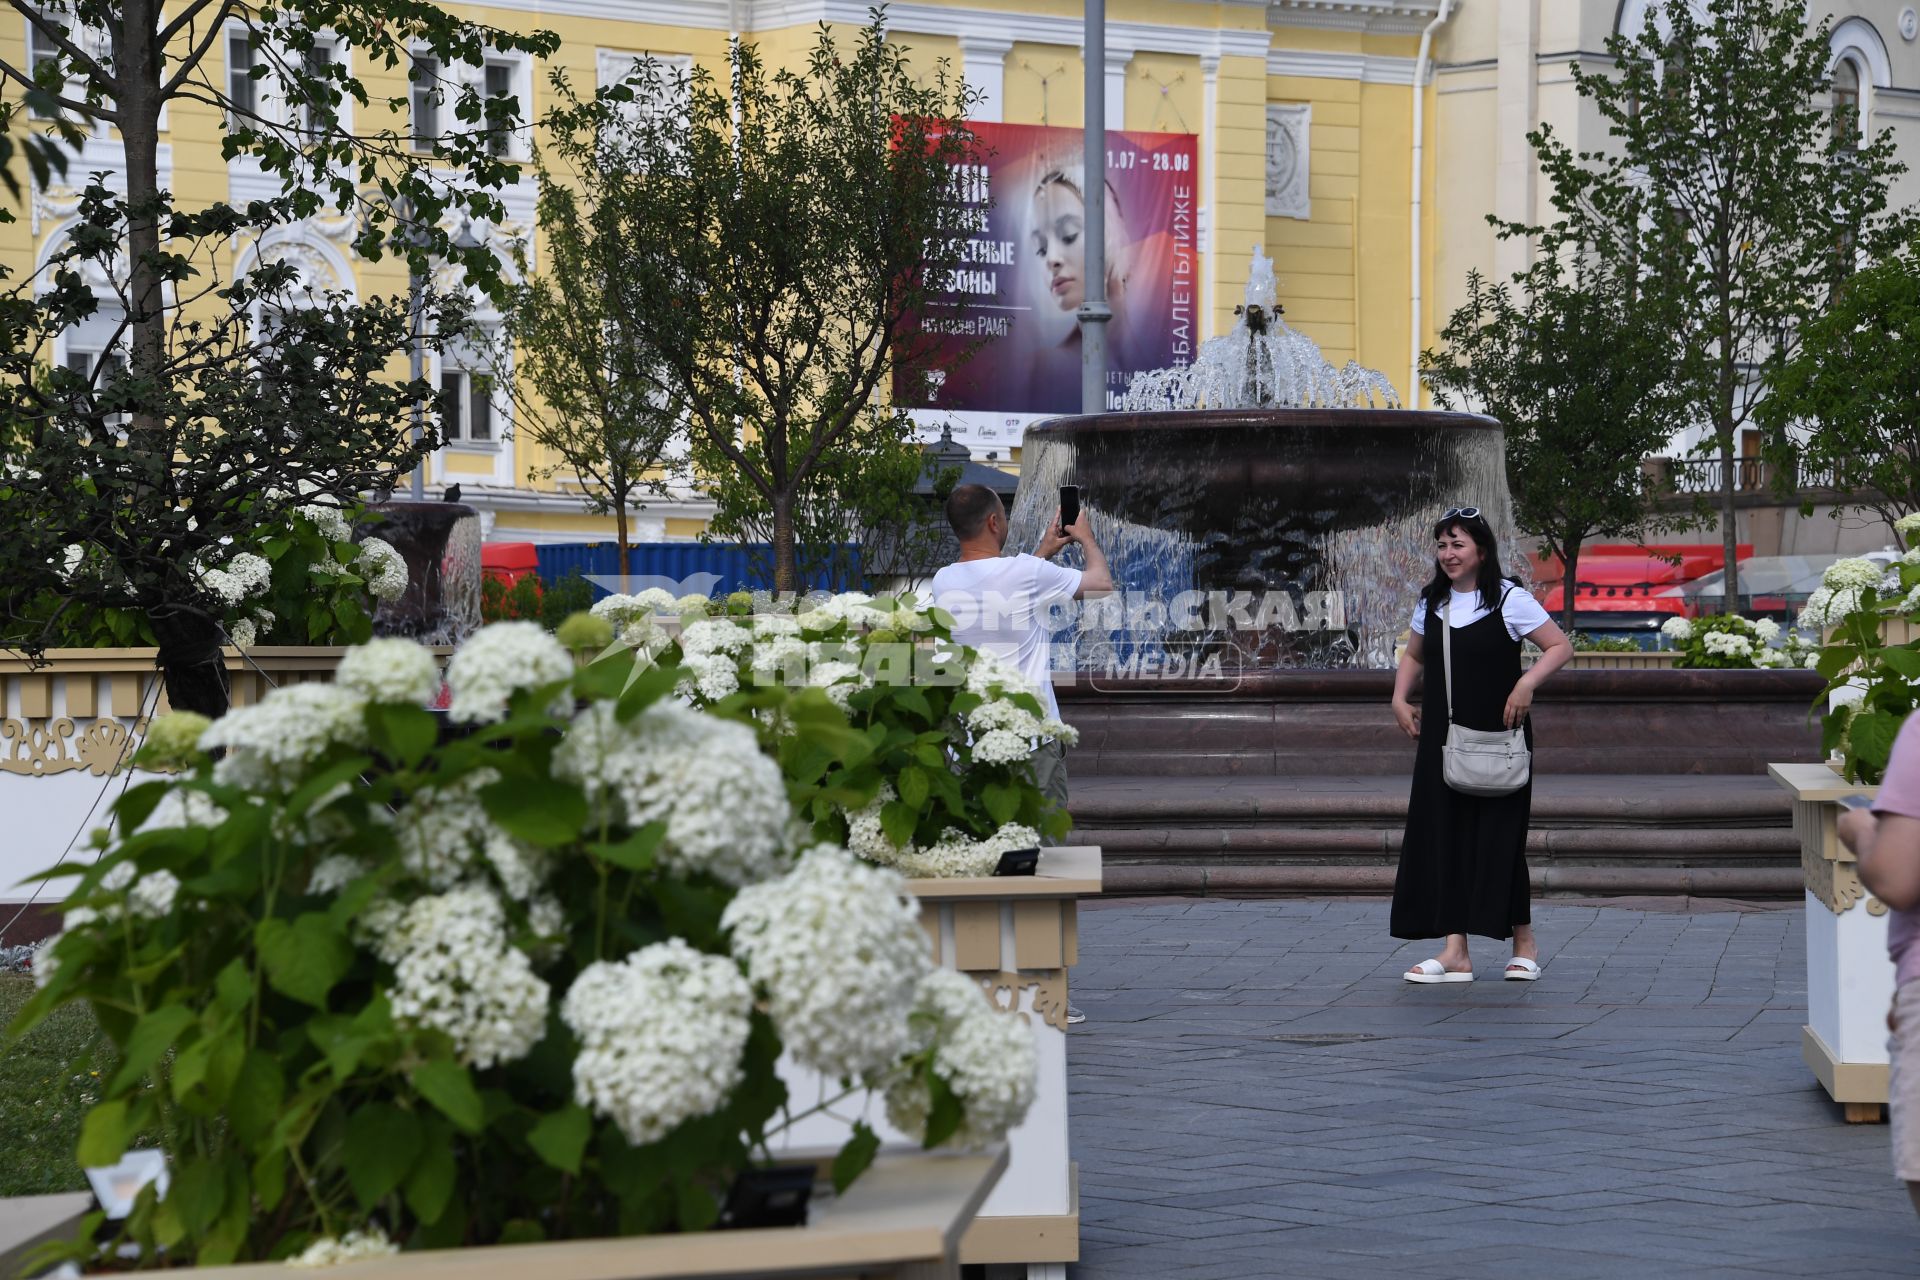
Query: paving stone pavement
x,y
1256,1093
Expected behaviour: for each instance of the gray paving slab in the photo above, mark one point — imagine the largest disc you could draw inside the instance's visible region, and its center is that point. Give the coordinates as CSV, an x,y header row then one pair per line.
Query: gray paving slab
x,y
1256,1093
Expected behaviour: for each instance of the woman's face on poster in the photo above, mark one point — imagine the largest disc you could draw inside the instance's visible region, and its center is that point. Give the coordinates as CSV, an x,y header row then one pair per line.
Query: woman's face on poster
x,y
1059,223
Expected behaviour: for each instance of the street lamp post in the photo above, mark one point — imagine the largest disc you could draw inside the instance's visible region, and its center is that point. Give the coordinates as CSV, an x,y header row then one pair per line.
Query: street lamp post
x,y
410,236
1094,312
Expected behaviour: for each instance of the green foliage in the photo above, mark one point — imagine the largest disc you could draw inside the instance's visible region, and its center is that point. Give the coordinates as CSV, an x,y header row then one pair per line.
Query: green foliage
x,y
528,598
1878,682
1584,643
1847,402
871,708
1575,362
1728,641
775,236
1727,193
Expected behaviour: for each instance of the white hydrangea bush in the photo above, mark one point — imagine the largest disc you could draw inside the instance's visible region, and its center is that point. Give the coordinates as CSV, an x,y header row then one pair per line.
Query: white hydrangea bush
x,y
560,936
953,785
1867,611
1730,641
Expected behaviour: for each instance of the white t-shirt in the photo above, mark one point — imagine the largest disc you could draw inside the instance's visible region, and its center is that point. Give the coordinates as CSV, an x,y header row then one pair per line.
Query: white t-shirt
x,y
1522,612
1005,605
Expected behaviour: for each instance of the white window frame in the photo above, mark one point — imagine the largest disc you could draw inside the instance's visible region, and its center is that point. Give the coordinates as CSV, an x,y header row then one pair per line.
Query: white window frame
x,y
94,41
611,66
416,90
459,432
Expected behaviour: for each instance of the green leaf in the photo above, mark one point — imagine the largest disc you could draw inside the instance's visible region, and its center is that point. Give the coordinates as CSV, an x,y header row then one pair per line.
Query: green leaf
x,y
152,1036
233,989
197,1189
605,677
1905,662
402,733
104,1134
258,1091
913,787
430,1186
303,958
946,1113
1871,736
382,1143
561,1137
447,1085
698,1210
316,788
648,687
898,821
1002,800
138,804
854,1157
635,853
542,811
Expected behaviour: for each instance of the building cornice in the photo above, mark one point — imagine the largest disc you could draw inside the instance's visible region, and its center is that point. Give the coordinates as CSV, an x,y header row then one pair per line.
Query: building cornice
x,y
1366,68
1386,17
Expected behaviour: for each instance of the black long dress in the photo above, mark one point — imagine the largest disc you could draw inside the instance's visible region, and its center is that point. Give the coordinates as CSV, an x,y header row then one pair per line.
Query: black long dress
x,y
1463,860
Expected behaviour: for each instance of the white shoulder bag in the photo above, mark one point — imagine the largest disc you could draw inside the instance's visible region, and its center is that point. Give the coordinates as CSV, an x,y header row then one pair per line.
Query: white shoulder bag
x,y
1480,762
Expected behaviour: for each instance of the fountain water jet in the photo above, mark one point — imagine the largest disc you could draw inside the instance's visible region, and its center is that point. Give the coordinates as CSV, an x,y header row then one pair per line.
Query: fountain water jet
x,y
1260,508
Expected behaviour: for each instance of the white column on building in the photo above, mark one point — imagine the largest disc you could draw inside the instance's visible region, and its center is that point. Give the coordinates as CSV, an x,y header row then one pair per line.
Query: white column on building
x,y
1210,157
983,64
1516,110
1117,62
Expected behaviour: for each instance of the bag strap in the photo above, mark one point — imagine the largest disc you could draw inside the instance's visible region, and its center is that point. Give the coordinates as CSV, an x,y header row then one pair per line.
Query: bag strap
x,y
1446,651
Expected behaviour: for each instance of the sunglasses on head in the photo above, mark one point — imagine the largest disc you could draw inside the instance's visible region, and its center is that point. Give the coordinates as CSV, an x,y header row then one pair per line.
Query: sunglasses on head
x,y
1467,513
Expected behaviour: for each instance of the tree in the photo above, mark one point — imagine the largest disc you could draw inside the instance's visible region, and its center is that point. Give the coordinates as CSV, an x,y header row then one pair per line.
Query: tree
x,y
1854,381
1735,192
584,383
1577,367
229,391
782,231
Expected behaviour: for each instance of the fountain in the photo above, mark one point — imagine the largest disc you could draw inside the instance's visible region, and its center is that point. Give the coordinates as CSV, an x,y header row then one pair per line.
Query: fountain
x,y
440,542
1260,509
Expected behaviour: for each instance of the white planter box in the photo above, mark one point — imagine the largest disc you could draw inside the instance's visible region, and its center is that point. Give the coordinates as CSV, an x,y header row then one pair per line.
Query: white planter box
x,y
1849,974
1018,936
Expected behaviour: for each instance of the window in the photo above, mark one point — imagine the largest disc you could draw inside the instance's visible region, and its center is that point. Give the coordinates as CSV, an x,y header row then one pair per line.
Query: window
x,y
241,59
1846,103
426,102
498,82
466,405
43,52
313,115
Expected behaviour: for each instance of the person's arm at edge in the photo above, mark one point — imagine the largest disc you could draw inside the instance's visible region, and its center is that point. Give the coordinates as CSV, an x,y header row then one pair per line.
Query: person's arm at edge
x,y
1555,651
1412,664
1095,580
1888,846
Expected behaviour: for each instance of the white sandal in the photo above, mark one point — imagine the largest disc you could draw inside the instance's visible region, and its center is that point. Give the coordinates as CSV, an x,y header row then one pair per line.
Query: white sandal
x,y
1521,969
1434,971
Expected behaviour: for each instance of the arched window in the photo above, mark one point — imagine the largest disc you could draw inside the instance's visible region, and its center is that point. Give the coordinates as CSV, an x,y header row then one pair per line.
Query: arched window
x,y
1847,104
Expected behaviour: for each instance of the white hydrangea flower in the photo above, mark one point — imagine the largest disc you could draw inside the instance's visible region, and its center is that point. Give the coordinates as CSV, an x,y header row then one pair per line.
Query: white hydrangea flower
x,y
390,670
444,829
252,572
1856,573
711,636
767,626
1812,662
987,1057
866,837
723,801
499,660
334,873
712,676
242,633
1728,644
330,521
987,672
786,656
153,894
285,731
1001,746
263,621
958,854
841,680
44,962
222,585
857,608
1766,629
661,1033
355,1246
1680,629
1060,732
1906,525
384,568
457,973
838,949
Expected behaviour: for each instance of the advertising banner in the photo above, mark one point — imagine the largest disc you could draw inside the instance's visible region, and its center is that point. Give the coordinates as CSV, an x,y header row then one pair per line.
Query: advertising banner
x,y
1011,302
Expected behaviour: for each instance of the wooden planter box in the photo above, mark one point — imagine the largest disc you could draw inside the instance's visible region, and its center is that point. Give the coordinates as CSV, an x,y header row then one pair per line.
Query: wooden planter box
x,y
904,1219
67,724
1849,975
1017,936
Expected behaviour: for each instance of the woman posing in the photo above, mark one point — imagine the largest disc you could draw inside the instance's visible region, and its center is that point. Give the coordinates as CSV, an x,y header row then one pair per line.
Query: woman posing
x,y
1463,865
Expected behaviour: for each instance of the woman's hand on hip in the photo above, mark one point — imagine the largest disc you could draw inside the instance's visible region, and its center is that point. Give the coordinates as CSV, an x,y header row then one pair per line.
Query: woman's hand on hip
x,y
1408,717
1519,702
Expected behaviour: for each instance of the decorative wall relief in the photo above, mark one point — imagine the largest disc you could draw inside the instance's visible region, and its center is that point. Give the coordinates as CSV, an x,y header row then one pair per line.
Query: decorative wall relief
x,y
1288,126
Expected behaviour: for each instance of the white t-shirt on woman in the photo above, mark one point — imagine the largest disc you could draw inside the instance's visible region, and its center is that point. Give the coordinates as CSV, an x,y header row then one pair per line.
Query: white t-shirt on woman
x,y
1522,613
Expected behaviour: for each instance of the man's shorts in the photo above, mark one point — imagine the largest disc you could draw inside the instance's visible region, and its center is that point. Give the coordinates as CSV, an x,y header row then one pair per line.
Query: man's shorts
x,y
1903,1085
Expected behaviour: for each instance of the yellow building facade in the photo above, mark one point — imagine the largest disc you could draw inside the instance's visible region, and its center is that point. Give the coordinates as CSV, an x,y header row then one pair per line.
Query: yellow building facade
x,y
1309,118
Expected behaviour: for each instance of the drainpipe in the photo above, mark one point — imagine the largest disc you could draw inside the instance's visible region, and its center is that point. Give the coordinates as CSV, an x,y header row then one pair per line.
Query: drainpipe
x,y
1422,67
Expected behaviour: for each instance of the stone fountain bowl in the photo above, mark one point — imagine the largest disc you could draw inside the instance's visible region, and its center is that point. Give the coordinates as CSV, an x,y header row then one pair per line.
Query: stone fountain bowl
x,y
1301,535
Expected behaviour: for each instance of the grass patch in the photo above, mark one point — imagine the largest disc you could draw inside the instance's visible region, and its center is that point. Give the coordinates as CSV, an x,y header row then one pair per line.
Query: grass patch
x,y
47,1082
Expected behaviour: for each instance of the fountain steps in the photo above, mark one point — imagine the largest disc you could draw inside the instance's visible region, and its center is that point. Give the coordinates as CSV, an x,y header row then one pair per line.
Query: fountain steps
x,y
1725,835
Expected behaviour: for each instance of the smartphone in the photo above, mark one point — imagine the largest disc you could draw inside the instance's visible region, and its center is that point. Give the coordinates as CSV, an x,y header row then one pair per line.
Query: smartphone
x,y
1069,504
1855,802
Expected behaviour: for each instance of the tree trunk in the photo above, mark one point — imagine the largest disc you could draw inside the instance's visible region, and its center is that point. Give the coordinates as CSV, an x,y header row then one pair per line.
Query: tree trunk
x,y
786,567
620,535
1570,585
1729,527
191,664
136,68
